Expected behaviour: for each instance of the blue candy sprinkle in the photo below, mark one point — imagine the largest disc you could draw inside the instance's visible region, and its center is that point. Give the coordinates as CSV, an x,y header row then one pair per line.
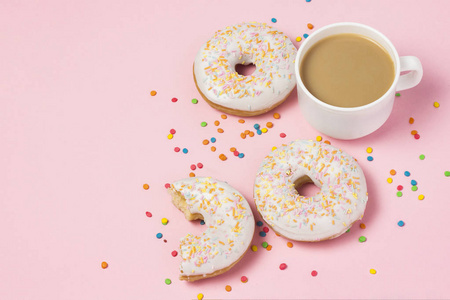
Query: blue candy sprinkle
x,y
159,235
185,150
369,158
241,155
202,222
407,174
262,233
305,35
259,223
274,20
413,182
259,132
256,126
308,0
401,223
213,140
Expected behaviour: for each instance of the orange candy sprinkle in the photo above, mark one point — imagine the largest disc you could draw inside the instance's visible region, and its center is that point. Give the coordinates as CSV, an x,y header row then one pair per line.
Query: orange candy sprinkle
x,y
247,131
242,121
269,124
232,149
228,288
223,116
290,245
310,26
104,265
411,120
205,142
213,149
251,134
153,93
219,130
276,115
191,174
243,135
217,123
146,186
392,172
223,157
414,132
327,142
362,226
269,247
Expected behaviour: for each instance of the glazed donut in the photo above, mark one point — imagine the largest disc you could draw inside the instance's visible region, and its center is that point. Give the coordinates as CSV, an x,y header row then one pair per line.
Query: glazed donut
x,y
229,226
223,88
340,202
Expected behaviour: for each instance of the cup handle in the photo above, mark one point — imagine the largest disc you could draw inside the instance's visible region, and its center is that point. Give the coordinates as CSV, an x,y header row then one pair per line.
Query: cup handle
x,y
411,79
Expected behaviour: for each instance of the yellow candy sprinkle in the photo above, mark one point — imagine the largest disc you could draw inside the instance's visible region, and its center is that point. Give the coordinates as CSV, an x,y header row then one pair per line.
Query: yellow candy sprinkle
x,y
318,138
421,197
274,148
298,39
254,248
436,104
264,130
373,271
369,150
389,180
200,296
164,221
170,136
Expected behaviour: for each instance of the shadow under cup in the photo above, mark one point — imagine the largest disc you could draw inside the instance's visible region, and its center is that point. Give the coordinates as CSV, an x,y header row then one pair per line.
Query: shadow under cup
x,y
347,122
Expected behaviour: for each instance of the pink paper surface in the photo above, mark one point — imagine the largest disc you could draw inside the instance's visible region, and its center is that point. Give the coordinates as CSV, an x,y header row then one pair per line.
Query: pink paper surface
x,y
80,135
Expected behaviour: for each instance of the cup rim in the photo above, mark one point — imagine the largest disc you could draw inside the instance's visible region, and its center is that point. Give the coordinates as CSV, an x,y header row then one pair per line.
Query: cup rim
x,y
338,108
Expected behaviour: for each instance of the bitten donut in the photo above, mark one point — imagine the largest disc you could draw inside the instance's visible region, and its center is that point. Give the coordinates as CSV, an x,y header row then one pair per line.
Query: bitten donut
x,y
340,202
229,226
223,88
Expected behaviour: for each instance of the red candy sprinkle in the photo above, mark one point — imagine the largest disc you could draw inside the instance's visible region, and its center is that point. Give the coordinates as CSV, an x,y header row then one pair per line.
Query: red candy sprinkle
x,y
193,167
283,135
172,131
314,273
236,153
266,229
176,149
417,136
200,165
167,185
148,214
174,99
400,187
283,266
174,253
244,279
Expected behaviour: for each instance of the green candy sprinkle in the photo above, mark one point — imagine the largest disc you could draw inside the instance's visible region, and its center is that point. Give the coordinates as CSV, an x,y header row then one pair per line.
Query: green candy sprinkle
x,y
422,157
203,124
265,244
414,188
168,281
362,239
348,230
447,173
399,194
397,94
194,101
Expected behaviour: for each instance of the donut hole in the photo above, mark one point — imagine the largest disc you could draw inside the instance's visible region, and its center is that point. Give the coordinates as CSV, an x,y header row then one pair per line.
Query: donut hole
x,y
245,70
305,187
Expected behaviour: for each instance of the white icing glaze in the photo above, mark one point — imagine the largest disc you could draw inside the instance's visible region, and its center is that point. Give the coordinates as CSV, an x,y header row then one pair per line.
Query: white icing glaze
x,y
229,225
269,50
328,214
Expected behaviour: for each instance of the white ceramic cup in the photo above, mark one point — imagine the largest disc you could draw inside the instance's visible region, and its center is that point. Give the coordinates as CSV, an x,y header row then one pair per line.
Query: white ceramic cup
x,y
354,122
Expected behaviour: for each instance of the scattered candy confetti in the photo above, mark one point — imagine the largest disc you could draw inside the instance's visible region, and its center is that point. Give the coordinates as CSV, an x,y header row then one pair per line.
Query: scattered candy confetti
x,y
283,266
389,180
369,150
146,186
411,120
276,115
228,288
200,296
148,214
244,279
373,271
174,253
264,244
269,247
318,138
194,101
447,173
176,149
421,157
262,233
200,165
174,99
414,188
159,235
213,140
213,149
290,245
254,248
219,130
259,223
305,35
314,273
167,185
392,172
170,136
185,150
436,104
397,94
407,173
266,229
191,174
362,239
369,158
164,221
203,124
282,135
168,281
413,182
413,132
223,116
274,20
216,122
310,26
417,136
223,157
401,223
362,226
242,121
400,187
421,197
104,264
298,39
399,194
153,93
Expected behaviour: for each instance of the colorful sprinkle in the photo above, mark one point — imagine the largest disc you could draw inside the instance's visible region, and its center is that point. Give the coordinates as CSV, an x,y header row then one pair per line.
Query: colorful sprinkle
x,y
414,188
193,167
266,229
185,150
401,223
254,248
167,185
194,101
262,233
259,223
244,279
421,157
399,187
264,244
242,121
236,153
397,94
241,155
159,235
305,35
174,99
421,197
392,172
369,150
417,136
174,253
290,245
148,214
176,149
191,174
413,132
310,26
200,296
202,222
411,120
259,132
413,182
282,135
369,158
269,247
205,142
104,264
298,39
228,288
447,173
389,180
373,271
164,221
219,130
399,194
276,115
362,226
168,281
146,186
274,20
223,157
407,173
216,122
153,93
213,149
200,165
436,104
264,130
213,140
283,266
314,273
269,124
223,116
362,239
318,138
203,124
170,136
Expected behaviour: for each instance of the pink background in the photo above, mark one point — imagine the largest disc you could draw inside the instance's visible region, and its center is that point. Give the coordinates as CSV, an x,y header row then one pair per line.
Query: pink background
x,y
80,135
